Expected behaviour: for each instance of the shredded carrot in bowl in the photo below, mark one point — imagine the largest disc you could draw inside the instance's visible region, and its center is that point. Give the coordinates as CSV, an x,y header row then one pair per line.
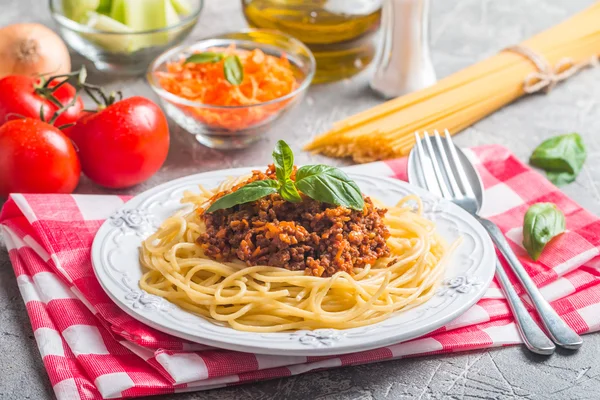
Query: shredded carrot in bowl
x,y
265,78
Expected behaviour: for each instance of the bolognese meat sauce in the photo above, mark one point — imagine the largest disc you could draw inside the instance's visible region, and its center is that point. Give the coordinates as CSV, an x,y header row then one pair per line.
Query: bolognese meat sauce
x,y
316,237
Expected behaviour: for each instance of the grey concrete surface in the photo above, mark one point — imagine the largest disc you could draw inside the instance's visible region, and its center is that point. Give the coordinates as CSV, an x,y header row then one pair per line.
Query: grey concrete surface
x,y
463,31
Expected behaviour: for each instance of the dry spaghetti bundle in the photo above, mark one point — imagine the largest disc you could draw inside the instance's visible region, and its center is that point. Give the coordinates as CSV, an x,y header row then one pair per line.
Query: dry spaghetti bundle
x,y
458,101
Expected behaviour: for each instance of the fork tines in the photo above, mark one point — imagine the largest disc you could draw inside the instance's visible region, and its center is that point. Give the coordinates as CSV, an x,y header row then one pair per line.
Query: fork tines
x,y
443,171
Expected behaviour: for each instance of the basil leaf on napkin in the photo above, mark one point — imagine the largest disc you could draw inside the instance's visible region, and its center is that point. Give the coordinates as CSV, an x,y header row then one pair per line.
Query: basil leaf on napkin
x,y
283,158
560,178
251,192
542,222
562,157
329,185
234,71
206,57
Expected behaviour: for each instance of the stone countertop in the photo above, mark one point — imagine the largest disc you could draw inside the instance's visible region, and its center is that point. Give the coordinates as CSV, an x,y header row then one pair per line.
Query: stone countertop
x,y
462,32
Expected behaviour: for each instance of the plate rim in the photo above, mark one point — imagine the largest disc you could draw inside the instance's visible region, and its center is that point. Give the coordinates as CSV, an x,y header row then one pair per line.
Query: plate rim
x,y
416,332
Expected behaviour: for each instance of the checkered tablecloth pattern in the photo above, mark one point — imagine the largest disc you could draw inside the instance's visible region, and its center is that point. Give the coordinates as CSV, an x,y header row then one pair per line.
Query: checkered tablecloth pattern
x,y
91,349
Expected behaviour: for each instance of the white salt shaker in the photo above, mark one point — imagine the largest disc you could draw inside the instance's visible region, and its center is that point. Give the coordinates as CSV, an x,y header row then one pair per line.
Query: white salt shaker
x,y
403,64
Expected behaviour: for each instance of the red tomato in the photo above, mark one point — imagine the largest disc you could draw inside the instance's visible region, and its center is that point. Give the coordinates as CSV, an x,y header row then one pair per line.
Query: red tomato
x,y
67,130
36,157
18,96
124,144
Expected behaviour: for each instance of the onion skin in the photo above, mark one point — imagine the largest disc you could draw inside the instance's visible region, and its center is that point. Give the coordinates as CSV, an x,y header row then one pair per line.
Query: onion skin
x,y
32,49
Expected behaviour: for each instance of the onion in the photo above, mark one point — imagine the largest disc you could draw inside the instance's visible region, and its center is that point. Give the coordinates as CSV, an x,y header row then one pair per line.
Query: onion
x,y
31,49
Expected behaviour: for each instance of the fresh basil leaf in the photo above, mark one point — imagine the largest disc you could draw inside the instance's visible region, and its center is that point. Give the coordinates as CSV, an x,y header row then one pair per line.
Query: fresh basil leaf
x,y
560,178
329,185
234,71
564,153
288,192
250,192
542,222
206,57
283,158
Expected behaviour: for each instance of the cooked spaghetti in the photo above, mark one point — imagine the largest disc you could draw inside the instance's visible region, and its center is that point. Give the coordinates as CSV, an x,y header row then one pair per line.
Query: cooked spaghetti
x,y
396,275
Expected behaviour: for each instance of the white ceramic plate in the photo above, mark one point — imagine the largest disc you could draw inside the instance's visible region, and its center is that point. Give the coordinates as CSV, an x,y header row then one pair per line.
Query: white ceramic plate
x,y
115,258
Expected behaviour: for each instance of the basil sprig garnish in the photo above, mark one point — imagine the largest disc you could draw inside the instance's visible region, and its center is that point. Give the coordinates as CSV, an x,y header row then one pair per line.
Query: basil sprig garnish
x,y
206,57
250,192
562,157
283,158
288,192
234,71
232,66
329,185
542,223
319,182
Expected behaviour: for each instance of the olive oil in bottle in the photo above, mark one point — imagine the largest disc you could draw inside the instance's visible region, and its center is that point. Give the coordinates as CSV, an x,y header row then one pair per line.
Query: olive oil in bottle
x,y
340,33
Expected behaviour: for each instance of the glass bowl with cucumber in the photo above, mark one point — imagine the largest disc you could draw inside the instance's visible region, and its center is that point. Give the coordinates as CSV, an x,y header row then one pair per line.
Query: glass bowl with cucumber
x,y
124,36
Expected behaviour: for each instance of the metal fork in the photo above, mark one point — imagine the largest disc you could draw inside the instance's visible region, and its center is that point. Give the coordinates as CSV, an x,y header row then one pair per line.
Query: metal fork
x,y
444,174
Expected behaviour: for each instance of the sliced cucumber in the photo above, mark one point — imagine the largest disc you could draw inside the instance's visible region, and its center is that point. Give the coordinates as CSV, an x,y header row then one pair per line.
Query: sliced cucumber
x,y
104,7
117,10
77,9
105,23
112,43
130,16
183,7
144,15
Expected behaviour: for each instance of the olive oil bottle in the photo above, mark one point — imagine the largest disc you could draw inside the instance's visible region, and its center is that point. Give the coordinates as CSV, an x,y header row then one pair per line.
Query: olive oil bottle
x,y
340,33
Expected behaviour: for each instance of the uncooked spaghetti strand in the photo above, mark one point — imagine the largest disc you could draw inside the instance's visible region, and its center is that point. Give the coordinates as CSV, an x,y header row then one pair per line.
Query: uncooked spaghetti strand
x,y
460,99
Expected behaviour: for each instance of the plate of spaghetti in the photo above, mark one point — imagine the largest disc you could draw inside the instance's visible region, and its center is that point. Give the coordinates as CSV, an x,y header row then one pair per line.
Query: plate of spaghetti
x,y
291,260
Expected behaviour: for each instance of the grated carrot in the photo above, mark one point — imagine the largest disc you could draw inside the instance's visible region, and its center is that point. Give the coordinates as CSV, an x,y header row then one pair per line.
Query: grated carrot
x,y
265,78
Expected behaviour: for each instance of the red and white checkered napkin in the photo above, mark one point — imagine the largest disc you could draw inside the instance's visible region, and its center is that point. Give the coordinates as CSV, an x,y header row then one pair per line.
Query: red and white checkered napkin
x,y
92,349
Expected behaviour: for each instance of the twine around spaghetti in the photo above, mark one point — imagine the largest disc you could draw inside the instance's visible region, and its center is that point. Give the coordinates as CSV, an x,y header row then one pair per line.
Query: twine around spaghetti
x,y
548,76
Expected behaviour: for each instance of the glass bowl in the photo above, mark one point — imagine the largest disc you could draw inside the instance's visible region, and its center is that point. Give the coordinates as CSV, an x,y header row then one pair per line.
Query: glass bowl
x,y
126,53
205,121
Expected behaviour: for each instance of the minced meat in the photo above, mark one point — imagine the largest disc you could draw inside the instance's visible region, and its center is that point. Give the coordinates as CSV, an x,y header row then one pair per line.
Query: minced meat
x,y
316,237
